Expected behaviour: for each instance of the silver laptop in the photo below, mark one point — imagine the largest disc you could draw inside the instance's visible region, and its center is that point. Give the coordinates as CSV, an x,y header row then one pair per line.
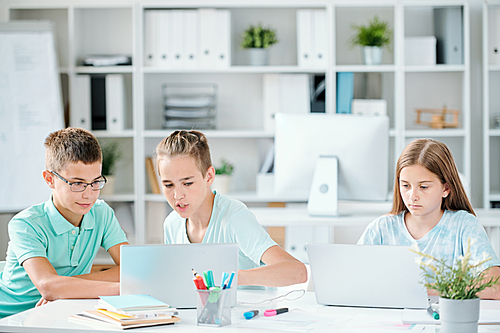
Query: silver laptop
x,y
366,275
164,271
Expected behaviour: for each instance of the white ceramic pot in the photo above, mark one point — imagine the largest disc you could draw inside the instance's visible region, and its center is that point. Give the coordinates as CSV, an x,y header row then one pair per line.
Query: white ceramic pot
x,y
459,316
372,55
109,188
221,184
258,57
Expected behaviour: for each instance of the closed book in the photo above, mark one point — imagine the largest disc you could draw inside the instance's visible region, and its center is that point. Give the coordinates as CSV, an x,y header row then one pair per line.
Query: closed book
x,y
115,102
131,302
163,38
494,35
345,92
177,36
191,40
151,38
207,34
153,179
304,38
319,38
95,319
223,40
98,102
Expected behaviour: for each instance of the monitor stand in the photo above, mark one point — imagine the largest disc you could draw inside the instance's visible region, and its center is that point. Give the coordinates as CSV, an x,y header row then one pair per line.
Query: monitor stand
x,y
323,198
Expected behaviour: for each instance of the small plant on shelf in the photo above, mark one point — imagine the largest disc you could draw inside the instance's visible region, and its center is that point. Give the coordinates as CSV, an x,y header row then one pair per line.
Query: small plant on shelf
x,y
225,168
257,36
376,33
111,154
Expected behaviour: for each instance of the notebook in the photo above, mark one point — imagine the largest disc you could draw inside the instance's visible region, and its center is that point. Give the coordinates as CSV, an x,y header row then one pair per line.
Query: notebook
x,y
164,271
366,275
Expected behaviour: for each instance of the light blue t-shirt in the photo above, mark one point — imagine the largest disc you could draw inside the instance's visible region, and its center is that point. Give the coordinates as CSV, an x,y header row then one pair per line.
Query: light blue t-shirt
x,y
448,239
41,231
231,222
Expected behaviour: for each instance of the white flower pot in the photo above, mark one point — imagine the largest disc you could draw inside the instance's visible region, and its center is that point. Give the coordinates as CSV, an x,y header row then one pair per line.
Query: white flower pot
x,y
372,55
109,188
221,184
459,316
258,57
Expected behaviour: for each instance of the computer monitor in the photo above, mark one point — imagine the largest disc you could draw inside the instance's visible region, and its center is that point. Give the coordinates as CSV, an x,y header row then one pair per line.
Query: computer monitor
x,y
360,144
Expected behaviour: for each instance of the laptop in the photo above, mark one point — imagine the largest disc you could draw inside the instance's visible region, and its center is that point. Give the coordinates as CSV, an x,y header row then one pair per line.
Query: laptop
x,y
366,276
164,271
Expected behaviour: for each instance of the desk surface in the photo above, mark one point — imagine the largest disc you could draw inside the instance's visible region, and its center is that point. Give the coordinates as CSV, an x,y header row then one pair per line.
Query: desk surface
x,y
305,315
351,214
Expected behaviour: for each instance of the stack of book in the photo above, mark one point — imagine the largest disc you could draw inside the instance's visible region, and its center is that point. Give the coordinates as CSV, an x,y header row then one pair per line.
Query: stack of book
x,y
128,311
190,106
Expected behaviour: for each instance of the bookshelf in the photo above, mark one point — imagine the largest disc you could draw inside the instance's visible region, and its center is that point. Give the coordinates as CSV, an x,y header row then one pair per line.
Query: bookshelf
x,y
112,27
491,103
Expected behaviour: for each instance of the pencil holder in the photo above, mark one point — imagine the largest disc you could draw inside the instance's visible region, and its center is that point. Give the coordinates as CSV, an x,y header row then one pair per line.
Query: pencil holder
x,y
214,307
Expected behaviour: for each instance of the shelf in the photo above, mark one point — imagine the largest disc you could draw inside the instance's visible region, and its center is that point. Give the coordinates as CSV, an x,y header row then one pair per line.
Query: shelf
x,y
118,197
494,68
443,133
434,68
392,133
494,132
216,134
103,69
495,196
63,70
365,69
114,134
234,70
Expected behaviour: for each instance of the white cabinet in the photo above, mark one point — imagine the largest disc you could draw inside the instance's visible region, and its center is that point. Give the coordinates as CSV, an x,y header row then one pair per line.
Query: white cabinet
x,y
110,27
491,103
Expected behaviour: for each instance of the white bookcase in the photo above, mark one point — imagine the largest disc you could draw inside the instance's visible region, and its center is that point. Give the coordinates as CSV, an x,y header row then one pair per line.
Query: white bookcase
x,y
110,27
491,102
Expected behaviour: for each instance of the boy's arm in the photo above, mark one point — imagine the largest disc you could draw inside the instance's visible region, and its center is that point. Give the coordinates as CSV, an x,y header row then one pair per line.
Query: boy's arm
x,y
52,286
281,270
112,274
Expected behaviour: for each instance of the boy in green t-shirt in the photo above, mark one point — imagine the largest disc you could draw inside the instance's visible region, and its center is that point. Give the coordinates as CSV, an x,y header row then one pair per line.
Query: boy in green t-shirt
x,y
53,244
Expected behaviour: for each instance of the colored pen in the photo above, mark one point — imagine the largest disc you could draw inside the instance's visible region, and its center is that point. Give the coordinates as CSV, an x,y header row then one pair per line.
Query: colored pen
x,y
250,314
433,313
231,277
207,281
274,312
201,284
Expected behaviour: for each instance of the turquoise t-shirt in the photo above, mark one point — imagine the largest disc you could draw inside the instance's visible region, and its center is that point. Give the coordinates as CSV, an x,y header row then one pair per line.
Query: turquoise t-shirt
x,y
41,231
231,222
448,239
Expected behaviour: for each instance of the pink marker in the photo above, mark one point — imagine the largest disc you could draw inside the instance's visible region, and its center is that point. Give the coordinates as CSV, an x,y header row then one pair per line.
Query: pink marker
x,y
273,312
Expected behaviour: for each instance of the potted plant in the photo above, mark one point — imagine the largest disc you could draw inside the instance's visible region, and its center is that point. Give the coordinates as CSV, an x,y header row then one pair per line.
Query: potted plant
x,y
372,38
257,40
111,154
223,175
457,285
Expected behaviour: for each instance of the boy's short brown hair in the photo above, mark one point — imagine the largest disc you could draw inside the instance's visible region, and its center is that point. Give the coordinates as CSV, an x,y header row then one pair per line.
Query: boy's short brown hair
x,y
187,143
71,145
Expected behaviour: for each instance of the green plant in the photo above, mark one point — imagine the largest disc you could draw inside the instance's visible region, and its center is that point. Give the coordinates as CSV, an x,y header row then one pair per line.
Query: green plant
x,y
376,33
463,280
226,168
111,154
258,37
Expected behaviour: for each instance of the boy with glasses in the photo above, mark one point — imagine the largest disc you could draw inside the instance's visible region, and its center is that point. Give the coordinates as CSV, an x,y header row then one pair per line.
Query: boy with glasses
x,y
53,244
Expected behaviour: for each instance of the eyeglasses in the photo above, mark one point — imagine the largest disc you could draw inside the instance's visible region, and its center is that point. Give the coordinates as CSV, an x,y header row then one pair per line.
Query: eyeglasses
x,y
81,186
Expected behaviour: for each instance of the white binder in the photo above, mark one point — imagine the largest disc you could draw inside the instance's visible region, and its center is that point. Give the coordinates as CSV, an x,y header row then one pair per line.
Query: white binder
x,y
448,28
80,113
163,38
177,35
295,93
115,102
494,35
223,40
191,38
271,99
207,37
304,41
151,57
319,38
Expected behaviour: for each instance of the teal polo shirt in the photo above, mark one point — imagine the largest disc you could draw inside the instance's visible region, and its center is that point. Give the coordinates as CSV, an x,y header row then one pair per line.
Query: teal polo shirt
x,y
41,231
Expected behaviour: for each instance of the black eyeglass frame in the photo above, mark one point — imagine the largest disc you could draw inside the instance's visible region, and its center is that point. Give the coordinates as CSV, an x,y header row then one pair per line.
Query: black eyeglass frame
x,y
83,183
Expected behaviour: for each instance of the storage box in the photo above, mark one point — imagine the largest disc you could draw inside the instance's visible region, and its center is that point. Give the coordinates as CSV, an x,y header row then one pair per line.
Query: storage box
x,y
420,50
265,184
371,107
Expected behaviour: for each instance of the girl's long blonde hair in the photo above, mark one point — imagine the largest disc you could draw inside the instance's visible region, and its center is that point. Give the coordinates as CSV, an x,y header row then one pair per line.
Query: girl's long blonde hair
x,y
437,158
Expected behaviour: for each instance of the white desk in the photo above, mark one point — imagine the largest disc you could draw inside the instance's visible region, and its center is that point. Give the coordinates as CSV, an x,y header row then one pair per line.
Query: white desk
x,y
353,214
53,317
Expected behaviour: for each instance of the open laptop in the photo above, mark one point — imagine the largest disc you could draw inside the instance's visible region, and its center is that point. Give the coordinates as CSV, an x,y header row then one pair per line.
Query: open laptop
x,y
164,271
366,275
